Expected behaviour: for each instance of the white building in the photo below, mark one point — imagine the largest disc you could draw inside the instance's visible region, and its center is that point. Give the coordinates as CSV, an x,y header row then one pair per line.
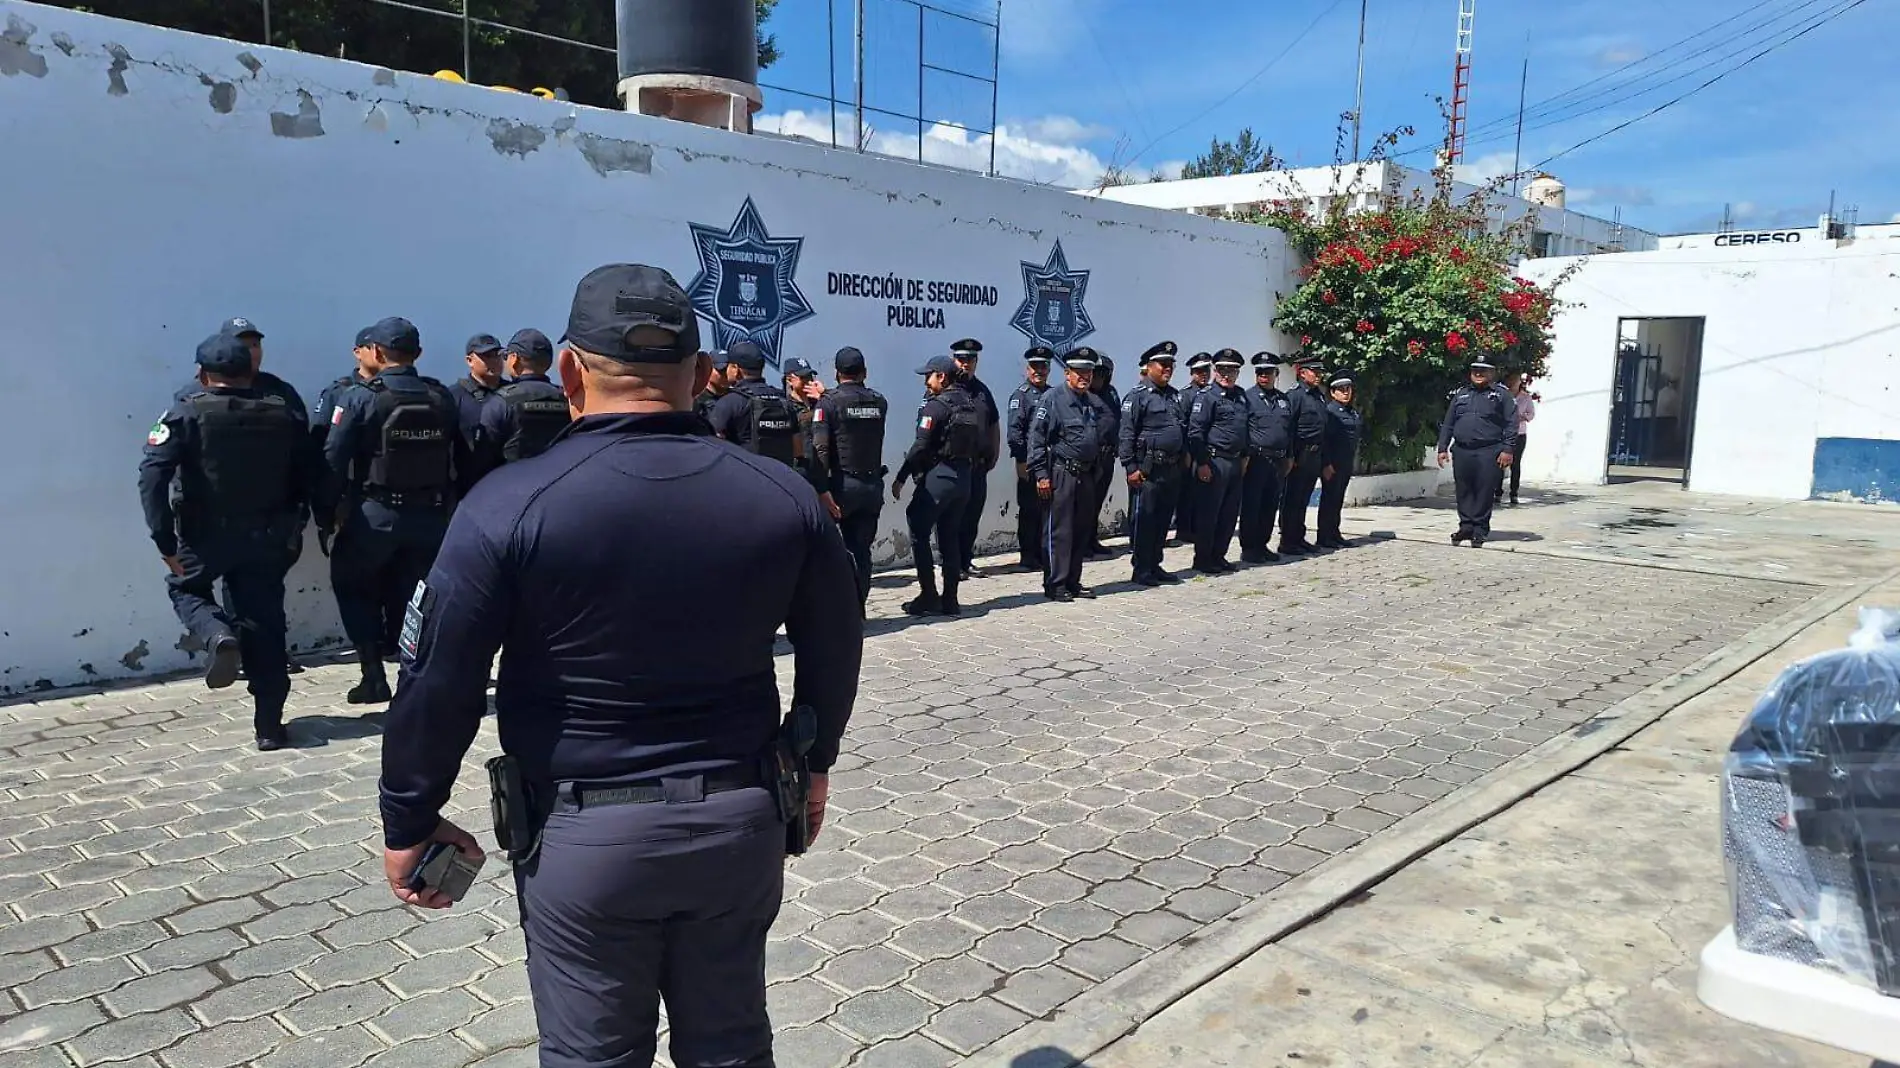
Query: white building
x,y
1556,232
1758,242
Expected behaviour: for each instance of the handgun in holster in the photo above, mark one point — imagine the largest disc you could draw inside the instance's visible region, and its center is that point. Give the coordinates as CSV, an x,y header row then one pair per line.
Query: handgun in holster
x,y
790,774
512,809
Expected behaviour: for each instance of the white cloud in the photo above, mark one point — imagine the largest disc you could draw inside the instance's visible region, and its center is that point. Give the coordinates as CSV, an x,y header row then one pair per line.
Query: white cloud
x,y
1619,55
1896,217
1483,169
1053,158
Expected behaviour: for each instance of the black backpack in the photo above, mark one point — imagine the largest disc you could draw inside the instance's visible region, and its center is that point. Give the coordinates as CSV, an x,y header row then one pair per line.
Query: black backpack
x,y
414,450
540,414
963,435
774,425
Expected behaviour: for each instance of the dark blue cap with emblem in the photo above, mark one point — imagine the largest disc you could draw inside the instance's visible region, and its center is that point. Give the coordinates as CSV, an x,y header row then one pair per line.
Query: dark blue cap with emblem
x,y
720,359
240,327
1265,361
939,365
613,303
1200,361
849,360
224,354
396,333
533,344
968,348
1039,354
749,356
483,345
362,338
1228,358
1164,352
1082,359
800,367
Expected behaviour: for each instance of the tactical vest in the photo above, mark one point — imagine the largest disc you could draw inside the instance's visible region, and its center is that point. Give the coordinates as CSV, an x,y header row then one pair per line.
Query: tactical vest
x,y
538,411
859,435
772,424
247,457
963,434
413,443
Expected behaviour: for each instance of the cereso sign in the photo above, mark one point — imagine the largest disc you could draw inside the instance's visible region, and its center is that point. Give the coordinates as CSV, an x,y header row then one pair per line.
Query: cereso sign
x,y
1766,237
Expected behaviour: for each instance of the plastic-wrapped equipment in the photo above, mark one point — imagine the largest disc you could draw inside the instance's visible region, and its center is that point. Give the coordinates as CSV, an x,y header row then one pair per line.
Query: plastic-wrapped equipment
x,y
1811,811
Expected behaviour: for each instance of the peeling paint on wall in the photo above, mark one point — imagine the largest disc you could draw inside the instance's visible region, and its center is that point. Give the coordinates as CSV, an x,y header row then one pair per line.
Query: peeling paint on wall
x,y
250,62
16,55
607,155
115,74
135,658
383,76
63,43
514,138
223,94
307,122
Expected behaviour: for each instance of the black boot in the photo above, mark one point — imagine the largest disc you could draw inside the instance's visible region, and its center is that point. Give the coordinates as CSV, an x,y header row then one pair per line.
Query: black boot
x,y
926,602
374,689
947,604
222,661
268,721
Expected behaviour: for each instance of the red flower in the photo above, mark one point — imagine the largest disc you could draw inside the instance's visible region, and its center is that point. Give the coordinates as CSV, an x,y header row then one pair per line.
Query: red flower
x,y
1457,254
1305,340
1455,342
1510,338
1364,326
1518,303
1329,297
1414,347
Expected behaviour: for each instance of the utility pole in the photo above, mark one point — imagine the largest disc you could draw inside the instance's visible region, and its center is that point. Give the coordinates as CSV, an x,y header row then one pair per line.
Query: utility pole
x,y
1359,84
1517,154
1460,81
857,74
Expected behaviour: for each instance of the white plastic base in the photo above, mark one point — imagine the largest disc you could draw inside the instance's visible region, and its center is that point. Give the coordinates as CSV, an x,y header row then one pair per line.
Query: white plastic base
x,y
1797,1000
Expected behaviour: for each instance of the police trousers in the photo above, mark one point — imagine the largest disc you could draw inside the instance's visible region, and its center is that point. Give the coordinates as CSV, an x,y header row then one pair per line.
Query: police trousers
x,y
374,567
1298,493
1106,468
1153,504
860,502
1029,510
1186,505
1260,490
937,507
1476,473
1065,528
628,906
249,564
1332,500
972,519
1217,509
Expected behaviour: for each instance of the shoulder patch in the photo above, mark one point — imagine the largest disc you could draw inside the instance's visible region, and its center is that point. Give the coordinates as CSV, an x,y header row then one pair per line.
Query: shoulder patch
x,y
1128,405
818,415
336,415
160,434
926,423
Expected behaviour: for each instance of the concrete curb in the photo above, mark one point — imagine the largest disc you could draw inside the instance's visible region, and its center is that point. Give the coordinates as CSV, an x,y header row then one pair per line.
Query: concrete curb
x,y
1101,1016
1532,549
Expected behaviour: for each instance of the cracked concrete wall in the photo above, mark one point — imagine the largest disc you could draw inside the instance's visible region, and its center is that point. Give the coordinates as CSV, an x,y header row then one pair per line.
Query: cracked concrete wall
x,y
1798,345
178,180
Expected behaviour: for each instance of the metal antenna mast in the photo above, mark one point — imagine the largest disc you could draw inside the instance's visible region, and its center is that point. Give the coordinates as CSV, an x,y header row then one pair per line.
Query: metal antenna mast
x,y
1359,84
1461,81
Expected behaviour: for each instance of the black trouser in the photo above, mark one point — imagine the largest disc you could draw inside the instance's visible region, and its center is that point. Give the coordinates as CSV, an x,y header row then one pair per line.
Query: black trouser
x,y
937,507
1517,468
1298,493
1217,509
250,565
1065,541
1185,506
1259,503
626,906
1029,510
1476,473
1332,500
1101,476
860,502
1153,505
972,514
374,568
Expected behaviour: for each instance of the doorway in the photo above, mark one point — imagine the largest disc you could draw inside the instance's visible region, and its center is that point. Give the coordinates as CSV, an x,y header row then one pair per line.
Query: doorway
x,y
1653,401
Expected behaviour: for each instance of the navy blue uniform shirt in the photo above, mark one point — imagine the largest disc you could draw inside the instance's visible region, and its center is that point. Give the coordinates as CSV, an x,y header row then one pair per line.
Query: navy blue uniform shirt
x,y
351,415
173,444
1111,399
1269,422
323,413
634,577
1150,423
1217,423
471,400
992,419
495,423
1022,408
1309,414
1479,418
926,450
1340,445
1067,427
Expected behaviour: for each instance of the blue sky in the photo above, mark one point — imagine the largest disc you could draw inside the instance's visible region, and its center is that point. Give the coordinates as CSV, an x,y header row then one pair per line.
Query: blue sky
x,y
1148,83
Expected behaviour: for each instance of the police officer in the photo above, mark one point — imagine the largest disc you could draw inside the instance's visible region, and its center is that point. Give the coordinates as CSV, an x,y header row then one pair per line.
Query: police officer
x,y
1022,408
949,440
1269,435
1479,439
803,389
1101,383
1200,371
848,440
1339,451
1307,402
486,361
639,723
715,386
246,471
967,352
755,414
1153,453
1217,439
1065,444
393,457
524,416
324,414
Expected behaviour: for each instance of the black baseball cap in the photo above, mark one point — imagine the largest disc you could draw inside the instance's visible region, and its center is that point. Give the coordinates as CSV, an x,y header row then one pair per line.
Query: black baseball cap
x,y
395,333
849,360
799,366
239,326
224,354
614,300
940,365
533,344
482,345
748,355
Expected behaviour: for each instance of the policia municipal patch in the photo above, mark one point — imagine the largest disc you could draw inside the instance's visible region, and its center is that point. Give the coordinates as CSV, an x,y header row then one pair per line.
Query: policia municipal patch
x,y
412,619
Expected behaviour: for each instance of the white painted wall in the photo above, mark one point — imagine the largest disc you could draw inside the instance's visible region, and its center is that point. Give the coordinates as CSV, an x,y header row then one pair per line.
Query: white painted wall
x,y
150,196
1800,343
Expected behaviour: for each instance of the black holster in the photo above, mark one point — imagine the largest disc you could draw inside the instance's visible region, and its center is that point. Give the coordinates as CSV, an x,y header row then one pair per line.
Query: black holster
x,y
789,774
516,831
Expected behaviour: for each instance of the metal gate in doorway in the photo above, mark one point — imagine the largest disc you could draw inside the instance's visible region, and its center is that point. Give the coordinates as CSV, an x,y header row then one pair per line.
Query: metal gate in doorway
x,y
1633,404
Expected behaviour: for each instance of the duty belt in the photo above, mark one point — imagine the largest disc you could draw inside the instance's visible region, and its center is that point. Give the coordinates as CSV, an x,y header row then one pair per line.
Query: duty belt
x,y
412,499
1229,454
578,797
1075,467
1270,454
868,476
1161,456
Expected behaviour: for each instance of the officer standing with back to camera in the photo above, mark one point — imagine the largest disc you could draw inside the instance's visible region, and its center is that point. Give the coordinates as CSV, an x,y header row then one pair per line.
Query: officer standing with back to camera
x,y
393,456
524,416
1102,384
245,468
1217,439
633,577
486,360
1269,435
322,418
1153,454
848,440
1200,372
1339,452
755,414
949,441
1065,444
1308,404
967,352
1479,439
1022,409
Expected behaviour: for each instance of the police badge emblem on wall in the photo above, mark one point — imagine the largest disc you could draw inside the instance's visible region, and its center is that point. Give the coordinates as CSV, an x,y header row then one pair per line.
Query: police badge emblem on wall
x,y
746,288
1052,313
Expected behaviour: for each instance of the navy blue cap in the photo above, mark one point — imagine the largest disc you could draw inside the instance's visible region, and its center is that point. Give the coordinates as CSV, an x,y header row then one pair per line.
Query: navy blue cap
x,y
533,344
611,301
748,355
1309,361
849,360
1343,381
1165,351
224,354
362,338
1228,358
1103,364
395,333
1082,359
240,327
1482,364
1039,354
720,359
482,345
1265,361
940,365
800,367
967,348
1200,360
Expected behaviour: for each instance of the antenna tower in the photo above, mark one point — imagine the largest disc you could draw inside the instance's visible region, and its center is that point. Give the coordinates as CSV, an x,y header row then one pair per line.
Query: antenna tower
x,y
1461,81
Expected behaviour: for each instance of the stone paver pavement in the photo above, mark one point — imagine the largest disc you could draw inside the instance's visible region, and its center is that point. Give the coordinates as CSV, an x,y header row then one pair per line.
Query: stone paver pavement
x,y
1034,797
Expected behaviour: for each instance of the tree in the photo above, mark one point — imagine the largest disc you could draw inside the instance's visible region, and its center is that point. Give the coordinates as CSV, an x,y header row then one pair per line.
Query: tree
x,y
371,32
1242,155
